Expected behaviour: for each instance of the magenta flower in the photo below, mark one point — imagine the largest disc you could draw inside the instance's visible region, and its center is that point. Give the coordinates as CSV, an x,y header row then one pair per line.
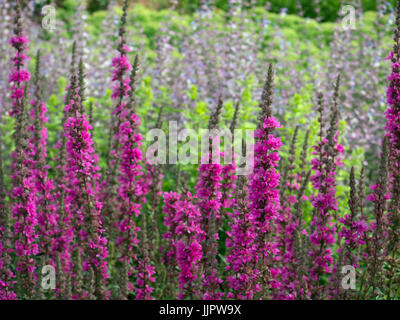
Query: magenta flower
x,y
46,209
23,193
19,75
209,196
7,276
328,158
241,241
132,192
188,249
264,196
82,205
172,211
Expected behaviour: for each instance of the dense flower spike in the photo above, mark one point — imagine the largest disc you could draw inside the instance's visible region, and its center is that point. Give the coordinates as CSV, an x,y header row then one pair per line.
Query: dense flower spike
x,y
82,203
351,236
7,277
19,76
241,241
354,227
184,234
65,235
188,249
172,216
145,275
24,202
132,192
121,67
46,209
209,195
287,223
23,193
296,275
393,135
153,180
325,204
129,192
264,189
378,237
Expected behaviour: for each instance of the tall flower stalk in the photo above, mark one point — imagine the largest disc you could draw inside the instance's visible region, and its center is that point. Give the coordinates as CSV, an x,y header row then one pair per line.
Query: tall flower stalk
x,y
65,232
23,193
209,195
241,243
82,201
121,88
7,276
184,236
393,134
24,203
376,252
19,76
322,236
264,190
351,235
132,192
46,209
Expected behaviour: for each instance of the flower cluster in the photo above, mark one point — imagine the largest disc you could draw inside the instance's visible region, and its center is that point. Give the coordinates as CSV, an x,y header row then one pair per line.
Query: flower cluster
x,y
19,75
241,241
264,189
82,199
327,158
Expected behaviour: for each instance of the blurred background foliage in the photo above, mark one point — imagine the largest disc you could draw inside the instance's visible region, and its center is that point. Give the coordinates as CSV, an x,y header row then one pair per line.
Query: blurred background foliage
x,y
327,9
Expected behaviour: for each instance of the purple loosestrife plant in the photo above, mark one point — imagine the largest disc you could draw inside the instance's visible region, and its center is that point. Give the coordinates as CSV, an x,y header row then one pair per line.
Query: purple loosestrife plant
x,y
65,233
264,190
23,193
353,228
377,237
121,67
184,237
322,236
172,215
129,192
287,222
7,277
393,134
19,75
82,203
241,236
241,243
153,180
209,195
295,276
351,234
23,203
46,209
188,248
145,273
132,193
